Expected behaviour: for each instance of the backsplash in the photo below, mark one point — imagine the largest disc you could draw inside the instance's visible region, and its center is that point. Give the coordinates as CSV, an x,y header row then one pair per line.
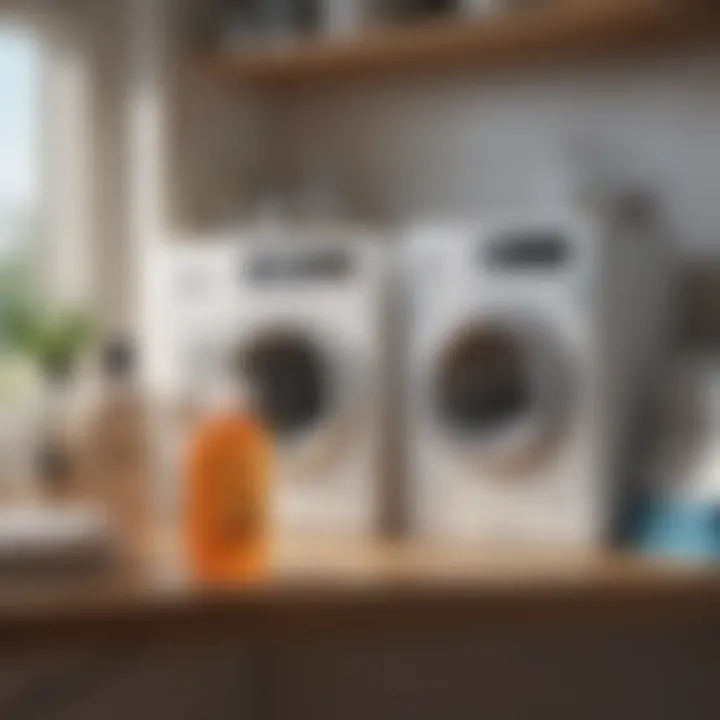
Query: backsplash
x,y
464,145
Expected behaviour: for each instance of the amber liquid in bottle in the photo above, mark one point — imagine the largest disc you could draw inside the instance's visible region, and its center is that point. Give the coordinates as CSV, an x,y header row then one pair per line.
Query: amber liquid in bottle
x,y
227,511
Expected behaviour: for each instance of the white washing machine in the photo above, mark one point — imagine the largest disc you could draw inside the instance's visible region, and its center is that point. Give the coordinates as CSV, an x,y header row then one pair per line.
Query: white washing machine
x,y
531,341
193,311
297,321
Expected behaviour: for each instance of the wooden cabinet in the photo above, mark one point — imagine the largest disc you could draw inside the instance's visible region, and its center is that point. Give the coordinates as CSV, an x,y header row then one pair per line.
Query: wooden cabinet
x,y
129,684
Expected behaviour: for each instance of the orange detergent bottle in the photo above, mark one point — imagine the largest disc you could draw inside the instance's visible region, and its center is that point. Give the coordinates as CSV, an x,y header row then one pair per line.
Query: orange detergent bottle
x,y
227,501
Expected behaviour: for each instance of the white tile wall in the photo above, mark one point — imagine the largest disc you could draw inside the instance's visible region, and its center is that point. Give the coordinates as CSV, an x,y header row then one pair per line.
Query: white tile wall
x,y
465,144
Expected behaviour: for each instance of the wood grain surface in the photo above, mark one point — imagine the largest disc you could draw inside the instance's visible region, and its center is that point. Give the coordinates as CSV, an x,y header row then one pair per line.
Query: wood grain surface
x,y
566,33
334,586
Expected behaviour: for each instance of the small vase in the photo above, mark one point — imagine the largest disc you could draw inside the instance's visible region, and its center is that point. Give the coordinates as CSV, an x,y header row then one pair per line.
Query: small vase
x,y
20,423
55,457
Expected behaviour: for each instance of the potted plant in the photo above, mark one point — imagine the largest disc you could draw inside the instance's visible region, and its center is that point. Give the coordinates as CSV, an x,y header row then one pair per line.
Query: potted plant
x,y
55,340
49,344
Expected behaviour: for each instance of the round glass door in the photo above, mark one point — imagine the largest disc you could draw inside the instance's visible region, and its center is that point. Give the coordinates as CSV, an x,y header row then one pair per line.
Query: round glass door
x,y
484,382
500,390
290,380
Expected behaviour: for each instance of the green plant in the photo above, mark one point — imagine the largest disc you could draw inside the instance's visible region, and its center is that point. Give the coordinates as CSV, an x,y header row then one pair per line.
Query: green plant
x,y
53,339
15,297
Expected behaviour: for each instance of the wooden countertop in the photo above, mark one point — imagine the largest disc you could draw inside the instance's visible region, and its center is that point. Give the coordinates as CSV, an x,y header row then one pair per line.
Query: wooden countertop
x,y
337,587
333,586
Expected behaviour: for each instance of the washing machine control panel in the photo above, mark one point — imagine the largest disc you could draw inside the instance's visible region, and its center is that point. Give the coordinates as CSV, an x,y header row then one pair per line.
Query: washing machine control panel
x,y
526,251
266,267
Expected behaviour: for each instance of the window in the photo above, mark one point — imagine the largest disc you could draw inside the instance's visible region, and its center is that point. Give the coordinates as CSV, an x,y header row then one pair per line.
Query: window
x,y
20,142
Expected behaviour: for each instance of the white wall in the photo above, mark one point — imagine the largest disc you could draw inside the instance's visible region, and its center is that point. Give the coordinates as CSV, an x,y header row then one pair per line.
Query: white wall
x,y
213,129
464,144
173,147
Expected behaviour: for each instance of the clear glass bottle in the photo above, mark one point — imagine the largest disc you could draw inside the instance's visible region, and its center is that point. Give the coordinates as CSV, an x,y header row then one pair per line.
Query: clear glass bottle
x,y
117,466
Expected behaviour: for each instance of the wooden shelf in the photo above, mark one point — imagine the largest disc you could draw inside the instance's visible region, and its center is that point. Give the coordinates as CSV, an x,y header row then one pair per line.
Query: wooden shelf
x,y
520,38
337,587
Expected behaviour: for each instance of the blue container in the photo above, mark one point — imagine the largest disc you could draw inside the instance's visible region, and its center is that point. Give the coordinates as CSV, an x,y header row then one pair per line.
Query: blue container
x,y
678,528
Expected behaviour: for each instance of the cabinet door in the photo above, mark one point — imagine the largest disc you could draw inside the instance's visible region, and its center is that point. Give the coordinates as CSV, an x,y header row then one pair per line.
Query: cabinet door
x,y
142,684
29,685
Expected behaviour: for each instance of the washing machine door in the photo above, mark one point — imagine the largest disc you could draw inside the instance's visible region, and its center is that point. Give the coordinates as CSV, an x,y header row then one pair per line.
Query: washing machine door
x,y
500,391
307,388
